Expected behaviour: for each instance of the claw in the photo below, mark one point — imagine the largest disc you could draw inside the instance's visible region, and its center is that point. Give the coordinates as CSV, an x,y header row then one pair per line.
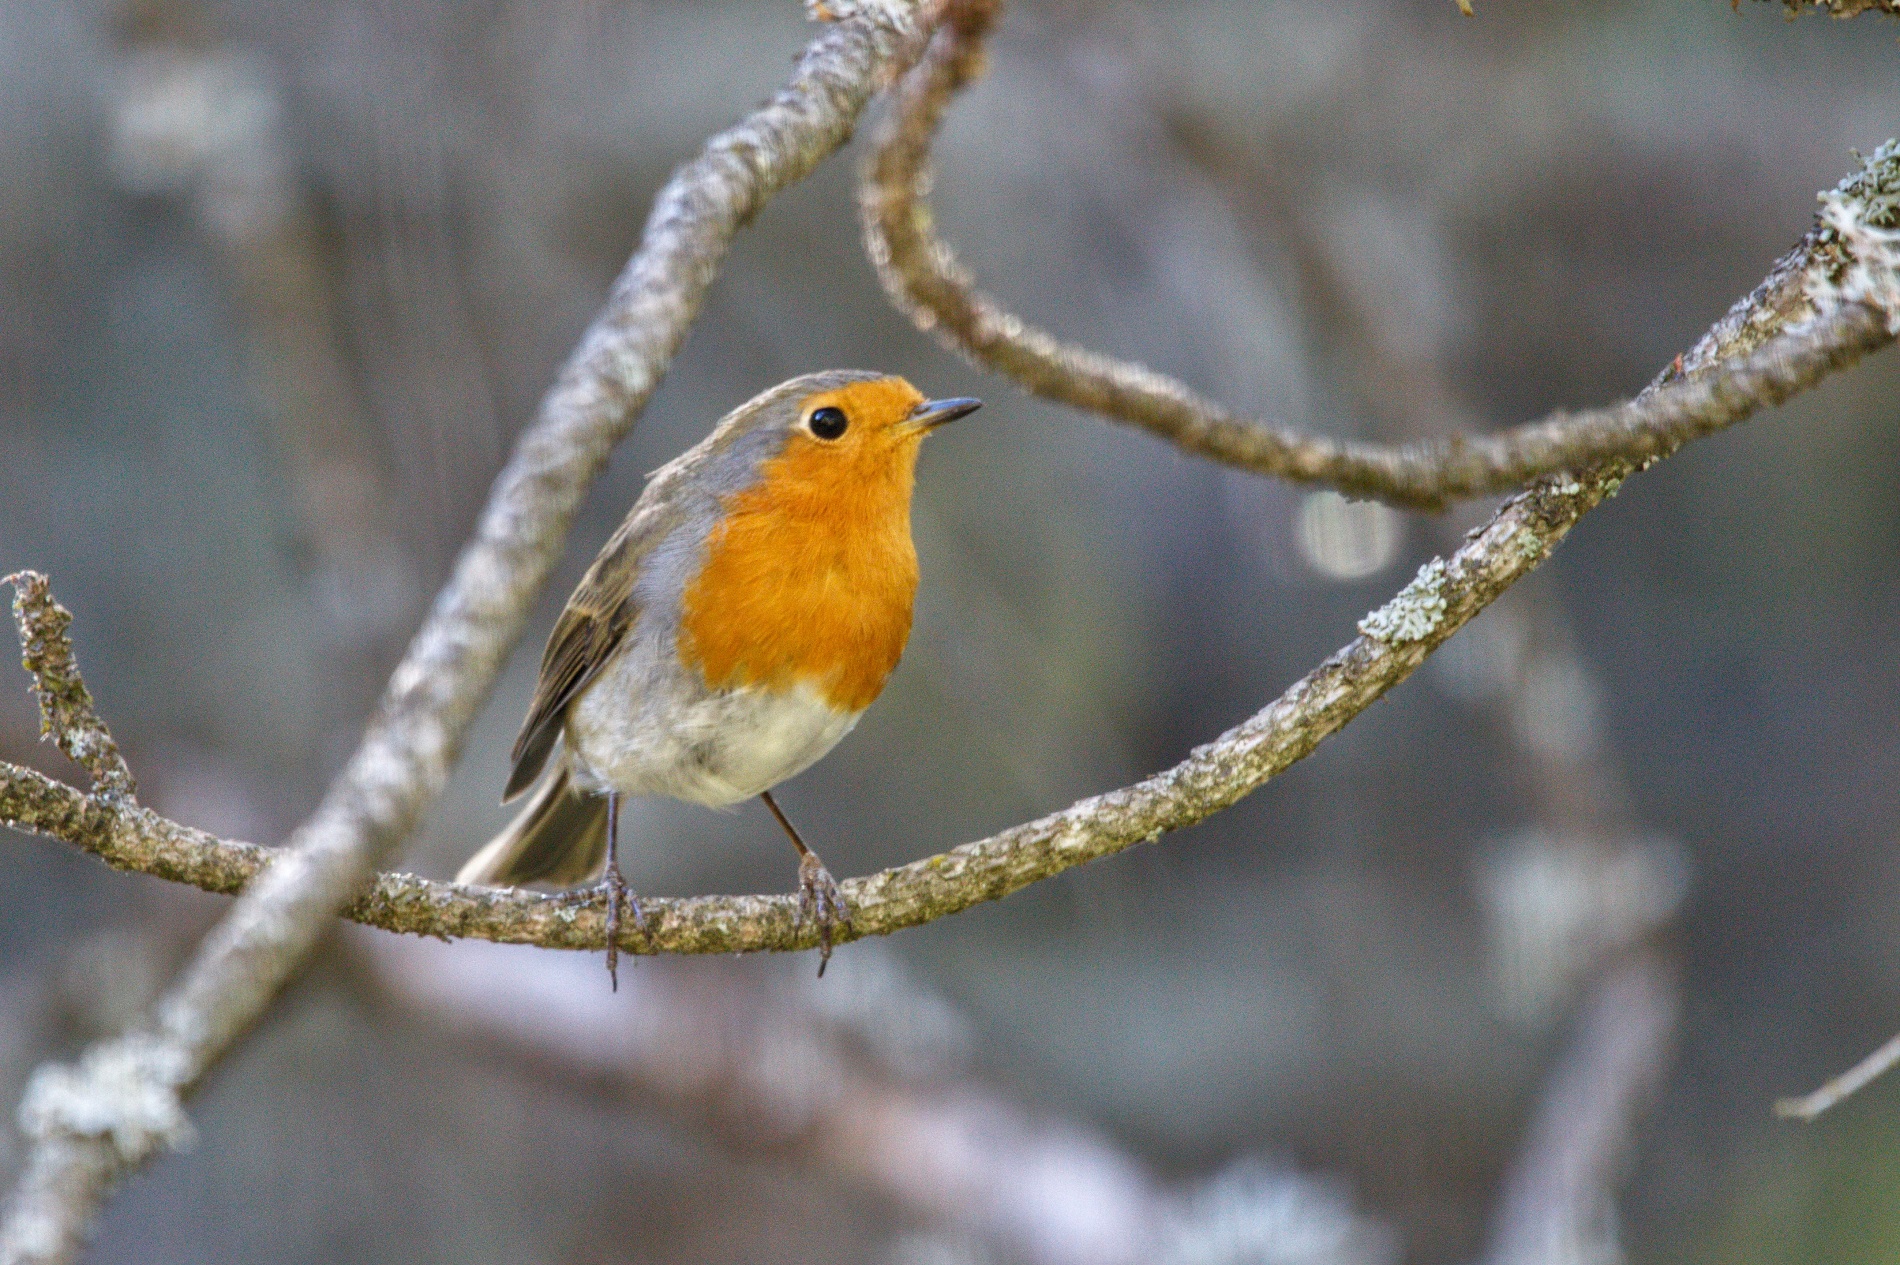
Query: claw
x,y
821,901
615,888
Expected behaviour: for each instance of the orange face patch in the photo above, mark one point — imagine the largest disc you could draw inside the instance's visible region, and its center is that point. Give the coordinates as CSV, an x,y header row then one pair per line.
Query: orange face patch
x,y
872,406
810,576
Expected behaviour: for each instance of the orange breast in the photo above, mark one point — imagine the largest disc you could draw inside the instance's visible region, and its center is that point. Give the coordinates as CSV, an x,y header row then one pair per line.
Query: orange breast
x,y
810,576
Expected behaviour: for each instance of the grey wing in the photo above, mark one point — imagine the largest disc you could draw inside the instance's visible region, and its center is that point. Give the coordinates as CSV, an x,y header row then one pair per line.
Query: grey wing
x,y
584,638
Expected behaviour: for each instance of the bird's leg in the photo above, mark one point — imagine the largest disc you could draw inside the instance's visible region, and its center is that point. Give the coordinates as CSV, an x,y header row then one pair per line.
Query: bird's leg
x,y
819,897
616,886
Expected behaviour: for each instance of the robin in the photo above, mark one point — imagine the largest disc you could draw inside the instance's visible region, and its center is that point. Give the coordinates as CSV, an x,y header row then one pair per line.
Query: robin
x,y
729,634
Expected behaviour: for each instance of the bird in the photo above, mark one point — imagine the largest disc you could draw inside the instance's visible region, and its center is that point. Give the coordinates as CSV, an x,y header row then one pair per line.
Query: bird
x,y
730,633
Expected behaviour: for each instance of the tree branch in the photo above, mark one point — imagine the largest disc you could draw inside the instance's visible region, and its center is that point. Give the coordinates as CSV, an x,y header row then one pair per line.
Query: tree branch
x,y
1836,298
1842,8
925,280
886,1101
432,698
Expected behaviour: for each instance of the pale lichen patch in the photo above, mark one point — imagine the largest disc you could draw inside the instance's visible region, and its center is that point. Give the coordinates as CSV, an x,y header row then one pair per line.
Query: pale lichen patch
x,y
125,1092
1862,214
1415,613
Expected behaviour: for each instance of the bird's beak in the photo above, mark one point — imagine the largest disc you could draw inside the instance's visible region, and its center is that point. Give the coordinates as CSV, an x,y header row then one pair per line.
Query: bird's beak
x,y
934,413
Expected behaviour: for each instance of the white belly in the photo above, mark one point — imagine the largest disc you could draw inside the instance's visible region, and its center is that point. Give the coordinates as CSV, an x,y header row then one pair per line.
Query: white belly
x,y
705,748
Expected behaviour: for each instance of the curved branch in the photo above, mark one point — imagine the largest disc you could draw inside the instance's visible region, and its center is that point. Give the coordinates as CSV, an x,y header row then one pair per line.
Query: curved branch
x,y
925,280
405,757
1394,640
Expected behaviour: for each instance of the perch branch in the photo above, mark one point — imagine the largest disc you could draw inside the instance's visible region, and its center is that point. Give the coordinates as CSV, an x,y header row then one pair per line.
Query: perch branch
x,y
92,1123
925,279
1394,640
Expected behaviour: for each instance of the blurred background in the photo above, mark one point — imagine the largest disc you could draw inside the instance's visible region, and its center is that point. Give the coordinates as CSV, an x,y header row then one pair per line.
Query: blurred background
x,y
1509,971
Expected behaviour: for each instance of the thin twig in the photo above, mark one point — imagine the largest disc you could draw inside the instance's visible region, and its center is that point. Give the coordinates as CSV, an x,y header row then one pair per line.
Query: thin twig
x,y
1846,1085
924,278
89,1123
67,715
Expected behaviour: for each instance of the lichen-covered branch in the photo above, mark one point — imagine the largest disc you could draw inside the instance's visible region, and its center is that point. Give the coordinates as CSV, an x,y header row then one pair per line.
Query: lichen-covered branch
x,y
120,1104
411,744
924,278
1841,8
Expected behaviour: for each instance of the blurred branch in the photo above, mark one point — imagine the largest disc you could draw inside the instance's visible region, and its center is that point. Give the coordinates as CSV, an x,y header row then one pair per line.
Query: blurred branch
x,y
89,1125
924,278
868,1080
1556,1204
201,119
862,1078
1581,880
1570,894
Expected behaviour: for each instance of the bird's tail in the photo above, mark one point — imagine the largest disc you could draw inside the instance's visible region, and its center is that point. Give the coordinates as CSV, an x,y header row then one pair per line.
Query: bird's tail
x,y
560,836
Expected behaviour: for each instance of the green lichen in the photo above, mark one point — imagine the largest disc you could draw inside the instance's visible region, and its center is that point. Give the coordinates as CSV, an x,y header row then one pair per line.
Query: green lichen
x,y
67,715
1415,613
1876,186
1860,223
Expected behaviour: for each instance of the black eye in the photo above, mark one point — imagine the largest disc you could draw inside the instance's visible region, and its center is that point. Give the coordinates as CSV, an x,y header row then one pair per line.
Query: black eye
x,y
827,423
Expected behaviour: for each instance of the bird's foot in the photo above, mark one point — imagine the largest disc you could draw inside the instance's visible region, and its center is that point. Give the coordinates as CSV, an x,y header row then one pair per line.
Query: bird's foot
x,y
821,902
614,887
